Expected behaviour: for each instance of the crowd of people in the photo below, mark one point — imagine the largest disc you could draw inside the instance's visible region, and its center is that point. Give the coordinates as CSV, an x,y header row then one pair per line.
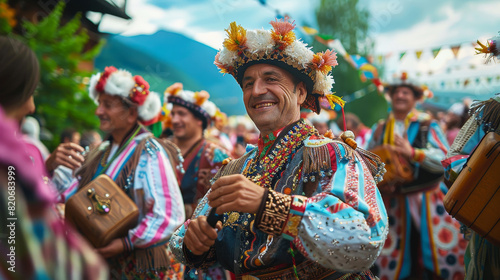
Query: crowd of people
x,y
292,191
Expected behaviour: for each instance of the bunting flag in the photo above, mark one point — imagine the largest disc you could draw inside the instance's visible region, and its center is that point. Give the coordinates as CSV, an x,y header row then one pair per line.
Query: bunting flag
x,y
338,47
435,51
419,54
455,50
466,82
368,70
401,55
323,39
309,30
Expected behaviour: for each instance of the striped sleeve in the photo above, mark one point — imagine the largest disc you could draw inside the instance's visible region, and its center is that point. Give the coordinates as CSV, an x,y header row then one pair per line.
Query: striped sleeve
x,y
158,197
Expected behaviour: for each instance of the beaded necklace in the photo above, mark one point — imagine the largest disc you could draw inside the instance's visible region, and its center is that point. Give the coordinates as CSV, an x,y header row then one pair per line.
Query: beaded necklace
x,y
267,171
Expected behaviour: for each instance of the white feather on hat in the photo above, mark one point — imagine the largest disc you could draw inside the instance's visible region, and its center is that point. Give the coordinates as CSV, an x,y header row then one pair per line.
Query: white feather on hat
x,y
122,83
151,107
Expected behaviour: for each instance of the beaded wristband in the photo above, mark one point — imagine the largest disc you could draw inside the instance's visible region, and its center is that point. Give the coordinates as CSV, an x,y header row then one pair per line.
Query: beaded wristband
x,y
275,213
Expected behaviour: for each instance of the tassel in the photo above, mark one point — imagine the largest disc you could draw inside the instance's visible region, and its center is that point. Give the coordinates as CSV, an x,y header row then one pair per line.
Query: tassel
x,y
152,259
374,164
490,114
316,159
333,99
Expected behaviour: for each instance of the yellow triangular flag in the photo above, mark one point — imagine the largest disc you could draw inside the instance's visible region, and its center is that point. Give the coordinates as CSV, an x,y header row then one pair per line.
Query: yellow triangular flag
x,y
309,31
419,54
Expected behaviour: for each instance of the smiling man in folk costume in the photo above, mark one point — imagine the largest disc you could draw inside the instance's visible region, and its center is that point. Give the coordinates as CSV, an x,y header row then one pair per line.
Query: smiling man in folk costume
x,y
299,205
190,115
424,241
141,165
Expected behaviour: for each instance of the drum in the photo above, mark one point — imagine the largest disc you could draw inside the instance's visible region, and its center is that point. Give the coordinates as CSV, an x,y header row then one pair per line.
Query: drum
x,y
474,197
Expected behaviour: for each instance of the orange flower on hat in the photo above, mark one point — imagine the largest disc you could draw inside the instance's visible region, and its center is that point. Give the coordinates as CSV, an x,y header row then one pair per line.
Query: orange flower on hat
x,y
282,32
324,61
221,66
174,89
236,37
200,97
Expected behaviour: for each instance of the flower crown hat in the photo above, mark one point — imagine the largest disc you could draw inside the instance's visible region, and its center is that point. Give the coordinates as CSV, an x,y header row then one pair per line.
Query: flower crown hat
x,y
402,80
133,89
491,49
196,102
279,47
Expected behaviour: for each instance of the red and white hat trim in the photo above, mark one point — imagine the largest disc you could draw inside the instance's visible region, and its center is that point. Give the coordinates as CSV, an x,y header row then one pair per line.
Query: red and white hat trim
x,y
132,88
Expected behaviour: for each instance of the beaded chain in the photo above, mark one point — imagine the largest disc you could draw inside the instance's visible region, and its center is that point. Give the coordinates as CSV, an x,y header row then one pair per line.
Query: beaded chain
x,y
265,172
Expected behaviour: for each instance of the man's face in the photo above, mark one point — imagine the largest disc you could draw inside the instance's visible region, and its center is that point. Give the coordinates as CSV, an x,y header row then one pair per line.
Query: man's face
x,y
403,100
184,124
112,113
271,98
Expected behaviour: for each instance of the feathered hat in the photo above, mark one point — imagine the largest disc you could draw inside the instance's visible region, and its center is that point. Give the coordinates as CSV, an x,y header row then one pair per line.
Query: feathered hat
x,y
196,102
402,80
279,47
490,49
133,89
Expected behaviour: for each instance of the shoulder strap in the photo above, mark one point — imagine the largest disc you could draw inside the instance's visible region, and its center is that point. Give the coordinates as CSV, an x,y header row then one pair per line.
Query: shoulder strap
x,y
126,176
173,152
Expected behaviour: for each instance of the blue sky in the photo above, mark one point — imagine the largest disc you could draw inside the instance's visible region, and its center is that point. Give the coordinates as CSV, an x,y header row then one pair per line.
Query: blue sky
x,y
395,25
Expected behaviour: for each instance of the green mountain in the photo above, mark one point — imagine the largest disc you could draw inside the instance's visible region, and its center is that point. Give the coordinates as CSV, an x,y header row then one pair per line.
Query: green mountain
x,y
166,57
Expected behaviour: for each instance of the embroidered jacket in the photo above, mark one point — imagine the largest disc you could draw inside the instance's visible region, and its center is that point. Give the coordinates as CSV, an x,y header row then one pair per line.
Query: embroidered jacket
x,y
336,218
199,168
154,189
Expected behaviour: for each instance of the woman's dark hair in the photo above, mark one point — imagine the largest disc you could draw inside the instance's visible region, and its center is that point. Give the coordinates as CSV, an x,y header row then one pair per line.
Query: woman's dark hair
x,y
19,72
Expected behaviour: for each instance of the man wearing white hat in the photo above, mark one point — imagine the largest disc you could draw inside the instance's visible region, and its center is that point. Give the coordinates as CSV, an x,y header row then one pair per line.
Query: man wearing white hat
x,y
299,205
125,104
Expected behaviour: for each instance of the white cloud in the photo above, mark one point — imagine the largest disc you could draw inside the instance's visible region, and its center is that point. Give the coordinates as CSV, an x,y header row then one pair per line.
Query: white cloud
x,y
213,39
142,22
